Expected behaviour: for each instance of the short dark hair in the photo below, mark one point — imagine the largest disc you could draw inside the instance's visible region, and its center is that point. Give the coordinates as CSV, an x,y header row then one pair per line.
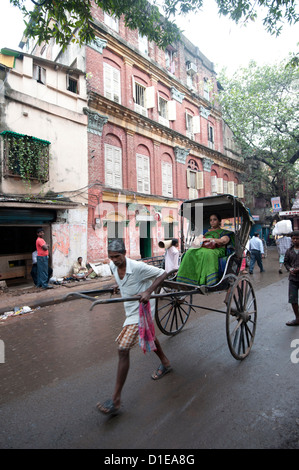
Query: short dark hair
x,y
40,229
118,245
174,242
295,233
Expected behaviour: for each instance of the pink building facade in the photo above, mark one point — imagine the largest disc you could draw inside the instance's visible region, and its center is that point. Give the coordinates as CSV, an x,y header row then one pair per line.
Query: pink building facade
x,y
155,138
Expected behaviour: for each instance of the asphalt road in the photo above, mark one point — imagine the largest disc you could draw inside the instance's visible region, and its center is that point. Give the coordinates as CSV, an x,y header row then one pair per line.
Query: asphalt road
x,y
61,360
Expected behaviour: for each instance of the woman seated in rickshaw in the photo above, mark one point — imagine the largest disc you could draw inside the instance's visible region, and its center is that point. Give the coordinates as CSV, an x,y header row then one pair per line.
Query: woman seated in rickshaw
x,y
200,264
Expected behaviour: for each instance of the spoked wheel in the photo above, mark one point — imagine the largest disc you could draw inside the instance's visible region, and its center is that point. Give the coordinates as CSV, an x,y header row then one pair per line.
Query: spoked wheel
x,y
172,312
241,318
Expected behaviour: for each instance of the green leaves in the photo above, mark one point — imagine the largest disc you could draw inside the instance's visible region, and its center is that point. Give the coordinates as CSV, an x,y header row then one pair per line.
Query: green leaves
x,y
27,157
261,106
74,17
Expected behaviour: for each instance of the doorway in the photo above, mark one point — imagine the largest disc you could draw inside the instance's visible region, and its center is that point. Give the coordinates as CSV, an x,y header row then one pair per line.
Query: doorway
x,y
145,239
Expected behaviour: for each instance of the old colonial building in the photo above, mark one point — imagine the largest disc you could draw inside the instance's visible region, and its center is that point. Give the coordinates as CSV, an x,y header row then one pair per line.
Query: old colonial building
x,y
43,150
155,134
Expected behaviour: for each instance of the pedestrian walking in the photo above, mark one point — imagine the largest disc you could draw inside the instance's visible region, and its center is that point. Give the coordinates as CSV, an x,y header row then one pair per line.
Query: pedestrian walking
x,y
42,260
172,256
256,249
134,278
283,244
291,262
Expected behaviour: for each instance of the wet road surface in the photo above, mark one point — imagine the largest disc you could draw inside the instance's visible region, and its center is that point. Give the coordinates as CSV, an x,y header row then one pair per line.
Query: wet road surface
x,y
61,360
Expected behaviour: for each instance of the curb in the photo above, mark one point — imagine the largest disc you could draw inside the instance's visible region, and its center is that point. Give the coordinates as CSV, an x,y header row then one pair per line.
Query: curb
x,y
48,300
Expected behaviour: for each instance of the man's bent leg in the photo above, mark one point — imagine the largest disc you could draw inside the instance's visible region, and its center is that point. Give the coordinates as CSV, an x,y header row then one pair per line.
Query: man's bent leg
x,y
122,372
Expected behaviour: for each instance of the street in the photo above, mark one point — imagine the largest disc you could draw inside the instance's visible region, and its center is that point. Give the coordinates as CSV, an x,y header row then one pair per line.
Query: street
x,y
61,360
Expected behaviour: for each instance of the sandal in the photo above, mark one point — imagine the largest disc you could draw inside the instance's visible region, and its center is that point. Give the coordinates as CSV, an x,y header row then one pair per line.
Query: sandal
x,y
292,323
161,371
107,408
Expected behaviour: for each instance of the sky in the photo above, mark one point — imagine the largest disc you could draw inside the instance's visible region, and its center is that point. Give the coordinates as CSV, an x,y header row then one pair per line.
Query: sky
x,y
222,41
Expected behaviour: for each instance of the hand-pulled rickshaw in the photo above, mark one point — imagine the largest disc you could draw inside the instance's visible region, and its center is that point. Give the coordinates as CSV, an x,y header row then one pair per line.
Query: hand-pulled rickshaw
x,y
174,300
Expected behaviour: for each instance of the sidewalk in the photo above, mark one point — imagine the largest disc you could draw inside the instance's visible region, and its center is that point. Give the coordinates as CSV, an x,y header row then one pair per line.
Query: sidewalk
x,y
35,297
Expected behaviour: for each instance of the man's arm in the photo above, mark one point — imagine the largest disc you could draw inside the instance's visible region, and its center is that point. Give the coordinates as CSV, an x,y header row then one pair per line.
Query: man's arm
x,y
145,296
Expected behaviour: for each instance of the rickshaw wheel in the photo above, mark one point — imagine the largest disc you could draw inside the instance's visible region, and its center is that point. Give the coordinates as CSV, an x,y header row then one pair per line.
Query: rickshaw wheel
x,y
241,318
172,312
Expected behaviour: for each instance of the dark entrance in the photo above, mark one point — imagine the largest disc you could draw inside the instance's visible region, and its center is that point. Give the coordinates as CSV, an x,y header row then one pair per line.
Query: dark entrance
x,y
18,236
145,239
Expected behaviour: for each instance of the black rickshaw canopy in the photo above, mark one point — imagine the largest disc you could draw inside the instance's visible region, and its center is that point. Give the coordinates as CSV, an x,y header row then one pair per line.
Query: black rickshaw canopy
x,y
198,212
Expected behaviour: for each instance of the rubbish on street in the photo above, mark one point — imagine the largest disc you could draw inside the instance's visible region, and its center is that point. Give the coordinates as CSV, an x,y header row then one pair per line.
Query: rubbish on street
x,y
16,311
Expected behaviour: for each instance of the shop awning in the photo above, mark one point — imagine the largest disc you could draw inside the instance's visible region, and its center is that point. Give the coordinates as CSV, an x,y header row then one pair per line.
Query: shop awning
x,y
26,216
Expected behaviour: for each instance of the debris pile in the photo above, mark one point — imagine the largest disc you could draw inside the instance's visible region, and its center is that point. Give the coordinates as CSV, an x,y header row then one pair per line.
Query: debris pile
x,y
15,312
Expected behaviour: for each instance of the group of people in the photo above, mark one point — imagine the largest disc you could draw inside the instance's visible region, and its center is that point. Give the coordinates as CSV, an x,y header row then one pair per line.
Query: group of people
x,y
199,265
41,271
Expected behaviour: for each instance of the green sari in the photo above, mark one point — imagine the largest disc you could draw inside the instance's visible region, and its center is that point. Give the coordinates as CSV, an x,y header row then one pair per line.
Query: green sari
x,y
199,266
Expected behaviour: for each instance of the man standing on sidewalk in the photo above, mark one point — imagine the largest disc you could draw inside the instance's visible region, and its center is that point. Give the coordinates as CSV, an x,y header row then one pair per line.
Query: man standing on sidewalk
x,y
42,260
291,262
256,253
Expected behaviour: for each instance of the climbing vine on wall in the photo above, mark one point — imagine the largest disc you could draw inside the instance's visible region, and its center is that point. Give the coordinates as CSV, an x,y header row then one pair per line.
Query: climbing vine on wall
x,y
26,157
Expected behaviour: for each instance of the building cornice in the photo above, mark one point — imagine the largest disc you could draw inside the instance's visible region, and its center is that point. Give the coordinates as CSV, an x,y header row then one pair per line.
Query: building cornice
x,y
133,56
135,122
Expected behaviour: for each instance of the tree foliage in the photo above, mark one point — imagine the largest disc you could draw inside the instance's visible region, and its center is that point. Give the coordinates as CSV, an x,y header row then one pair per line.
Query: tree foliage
x,y
261,106
71,20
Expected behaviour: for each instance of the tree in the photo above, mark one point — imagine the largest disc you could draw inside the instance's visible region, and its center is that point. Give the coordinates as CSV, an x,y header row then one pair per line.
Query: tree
x,y
71,20
261,106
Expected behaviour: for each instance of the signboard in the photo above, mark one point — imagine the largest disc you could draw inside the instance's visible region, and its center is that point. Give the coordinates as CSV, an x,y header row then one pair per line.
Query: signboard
x,y
276,205
291,213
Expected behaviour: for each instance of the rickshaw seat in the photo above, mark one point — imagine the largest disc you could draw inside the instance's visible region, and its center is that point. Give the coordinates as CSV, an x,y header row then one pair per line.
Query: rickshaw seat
x,y
229,250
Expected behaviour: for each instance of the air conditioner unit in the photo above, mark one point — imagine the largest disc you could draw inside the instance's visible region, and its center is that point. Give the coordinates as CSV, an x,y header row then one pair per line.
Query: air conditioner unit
x,y
191,68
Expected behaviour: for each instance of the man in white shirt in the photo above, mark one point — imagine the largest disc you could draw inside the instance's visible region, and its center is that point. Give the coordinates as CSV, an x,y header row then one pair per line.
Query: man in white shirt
x,y
134,278
256,253
172,256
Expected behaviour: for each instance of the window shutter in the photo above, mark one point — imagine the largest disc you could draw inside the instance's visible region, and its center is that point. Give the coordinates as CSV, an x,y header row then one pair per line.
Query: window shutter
x,y
143,174
220,185
111,83
199,180
116,85
189,125
117,168
196,124
150,97
113,170
146,175
43,75
231,188
133,88
188,178
107,81
167,187
187,121
214,184
109,166
241,190
35,72
171,110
